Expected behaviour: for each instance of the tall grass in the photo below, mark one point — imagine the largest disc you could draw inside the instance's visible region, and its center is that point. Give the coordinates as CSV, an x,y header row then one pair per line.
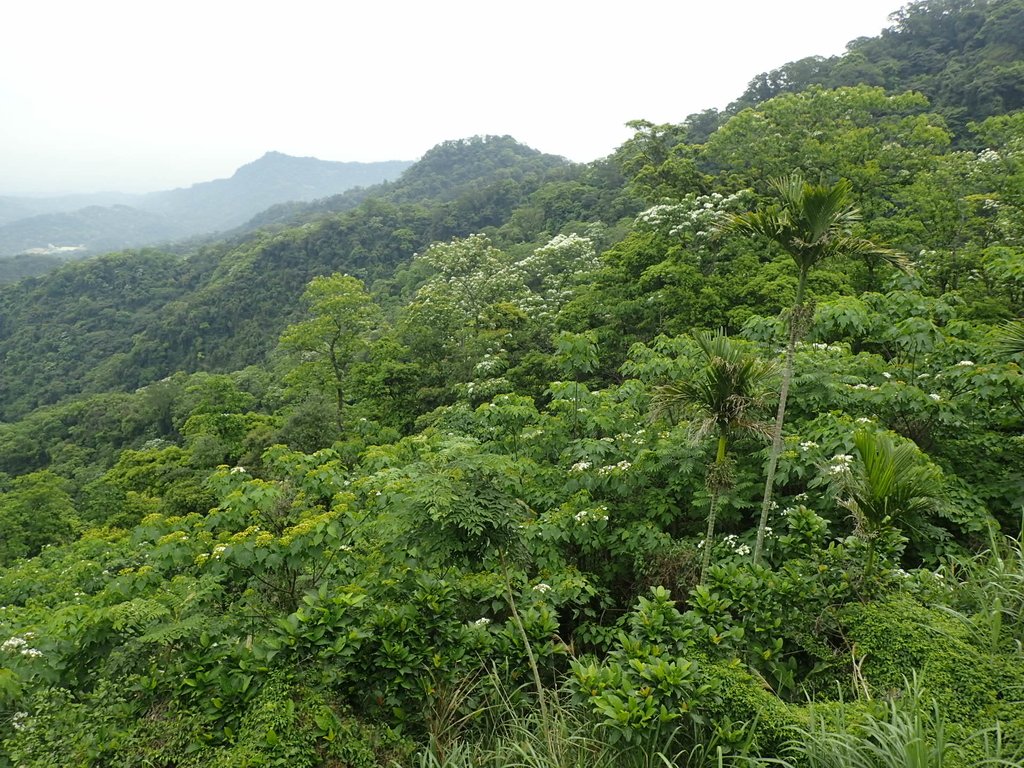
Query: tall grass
x,y
909,732
987,594
507,734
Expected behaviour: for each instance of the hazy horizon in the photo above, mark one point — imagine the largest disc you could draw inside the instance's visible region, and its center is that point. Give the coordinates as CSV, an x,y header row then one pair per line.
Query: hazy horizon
x,y
146,191
117,96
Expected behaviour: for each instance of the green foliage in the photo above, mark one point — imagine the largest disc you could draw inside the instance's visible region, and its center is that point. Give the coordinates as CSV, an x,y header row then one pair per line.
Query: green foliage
x,y
812,223
858,133
725,392
890,485
647,684
892,639
724,396
441,502
964,56
742,698
984,591
289,725
453,497
35,511
332,339
905,733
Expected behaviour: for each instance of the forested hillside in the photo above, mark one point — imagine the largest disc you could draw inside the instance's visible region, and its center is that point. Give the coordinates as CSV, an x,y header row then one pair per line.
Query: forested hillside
x,y
965,56
706,453
127,319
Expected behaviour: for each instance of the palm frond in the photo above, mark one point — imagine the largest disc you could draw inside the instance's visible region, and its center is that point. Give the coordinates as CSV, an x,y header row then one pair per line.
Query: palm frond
x,y
1010,337
726,392
891,481
813,222
768,223
859,247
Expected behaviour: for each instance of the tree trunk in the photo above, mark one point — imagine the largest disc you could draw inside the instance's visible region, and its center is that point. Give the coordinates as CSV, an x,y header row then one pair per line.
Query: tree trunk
x,y
339,389
713,511
780,416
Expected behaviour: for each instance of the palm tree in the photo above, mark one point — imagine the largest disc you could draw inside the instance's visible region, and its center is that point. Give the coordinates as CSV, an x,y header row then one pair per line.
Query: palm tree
x,y
811,222
891,485
724,396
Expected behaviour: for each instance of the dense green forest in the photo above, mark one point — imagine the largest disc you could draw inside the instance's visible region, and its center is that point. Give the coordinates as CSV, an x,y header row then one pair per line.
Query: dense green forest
x,y
710,452
965,56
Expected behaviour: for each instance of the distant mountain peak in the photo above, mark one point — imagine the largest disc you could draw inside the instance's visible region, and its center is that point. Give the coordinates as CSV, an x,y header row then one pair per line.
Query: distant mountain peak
x,y
206,207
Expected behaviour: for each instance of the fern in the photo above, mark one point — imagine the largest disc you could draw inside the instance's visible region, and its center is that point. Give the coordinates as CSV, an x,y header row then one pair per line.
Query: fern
x,y
165,634
134,616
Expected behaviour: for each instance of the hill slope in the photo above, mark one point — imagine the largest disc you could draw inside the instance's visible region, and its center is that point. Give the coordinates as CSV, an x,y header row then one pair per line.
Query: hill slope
x,y
124,320
966,56
137,220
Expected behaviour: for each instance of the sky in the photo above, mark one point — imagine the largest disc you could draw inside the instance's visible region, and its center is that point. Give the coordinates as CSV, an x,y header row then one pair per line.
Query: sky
x,y
142,95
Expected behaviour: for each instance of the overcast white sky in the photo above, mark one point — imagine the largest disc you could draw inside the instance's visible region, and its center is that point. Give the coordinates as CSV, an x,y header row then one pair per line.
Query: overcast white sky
x,y
138,95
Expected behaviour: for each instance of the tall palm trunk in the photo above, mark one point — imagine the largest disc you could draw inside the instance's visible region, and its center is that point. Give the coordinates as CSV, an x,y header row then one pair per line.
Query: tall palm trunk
x,y
715,485
795,331
339,390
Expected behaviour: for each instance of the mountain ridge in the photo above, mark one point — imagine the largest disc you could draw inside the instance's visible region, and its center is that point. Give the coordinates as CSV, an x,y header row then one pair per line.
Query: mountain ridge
x,y
111,221
162,312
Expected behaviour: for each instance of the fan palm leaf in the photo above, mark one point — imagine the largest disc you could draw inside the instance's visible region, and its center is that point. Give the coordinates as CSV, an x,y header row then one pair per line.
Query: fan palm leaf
x,y
1010,337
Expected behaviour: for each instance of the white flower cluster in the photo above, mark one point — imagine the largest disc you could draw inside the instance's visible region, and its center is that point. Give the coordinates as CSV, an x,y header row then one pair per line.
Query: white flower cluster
x,y
696,217
488,365
586,516
218,551
989,156
480,623
733,543
808,445
622,466
657,215
550,273
580,466
18,644
965,364
542,587
840,463
627,437
936,397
